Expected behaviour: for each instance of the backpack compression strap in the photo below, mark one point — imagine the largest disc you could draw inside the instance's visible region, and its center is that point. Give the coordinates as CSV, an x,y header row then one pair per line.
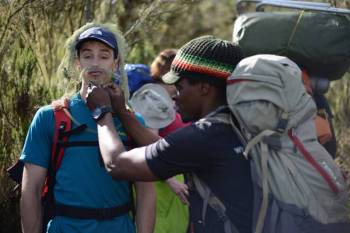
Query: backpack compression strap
x,y
328,179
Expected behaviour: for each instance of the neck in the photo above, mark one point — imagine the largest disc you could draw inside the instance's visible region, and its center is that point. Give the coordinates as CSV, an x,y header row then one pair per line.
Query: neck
x,y
211,106
215,98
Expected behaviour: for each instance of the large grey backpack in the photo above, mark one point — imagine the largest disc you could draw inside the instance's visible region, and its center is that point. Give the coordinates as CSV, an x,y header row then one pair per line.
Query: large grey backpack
x,y
298,187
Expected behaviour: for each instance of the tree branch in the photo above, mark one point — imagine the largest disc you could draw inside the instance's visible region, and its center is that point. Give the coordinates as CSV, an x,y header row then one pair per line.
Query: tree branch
x,y
8,20
144,15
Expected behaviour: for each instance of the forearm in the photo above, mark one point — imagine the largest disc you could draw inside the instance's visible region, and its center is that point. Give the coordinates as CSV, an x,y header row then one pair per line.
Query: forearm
x,y
145,207
136,130
31,216
110,143
130,165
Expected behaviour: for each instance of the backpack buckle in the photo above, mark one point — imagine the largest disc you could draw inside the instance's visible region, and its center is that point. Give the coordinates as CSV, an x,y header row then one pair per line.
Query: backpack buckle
x,y
282,123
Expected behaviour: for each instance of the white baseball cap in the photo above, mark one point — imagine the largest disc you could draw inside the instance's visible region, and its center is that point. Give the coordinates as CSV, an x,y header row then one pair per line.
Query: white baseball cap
x,y
153,102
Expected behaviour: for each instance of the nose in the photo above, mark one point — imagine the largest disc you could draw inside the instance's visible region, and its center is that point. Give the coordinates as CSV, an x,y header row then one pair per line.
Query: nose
x,y
95,61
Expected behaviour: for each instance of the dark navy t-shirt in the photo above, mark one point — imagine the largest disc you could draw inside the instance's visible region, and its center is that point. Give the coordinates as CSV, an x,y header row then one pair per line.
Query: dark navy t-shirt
x,y
214,153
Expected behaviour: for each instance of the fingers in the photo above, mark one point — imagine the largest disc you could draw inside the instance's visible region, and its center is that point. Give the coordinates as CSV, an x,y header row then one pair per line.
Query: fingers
x,y
97,96
184,189
114,89
183,194
180,189
185,200
90,89
110,85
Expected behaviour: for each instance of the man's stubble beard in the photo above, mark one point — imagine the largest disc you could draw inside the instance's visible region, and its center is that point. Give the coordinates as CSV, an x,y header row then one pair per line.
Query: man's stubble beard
x,y
106,77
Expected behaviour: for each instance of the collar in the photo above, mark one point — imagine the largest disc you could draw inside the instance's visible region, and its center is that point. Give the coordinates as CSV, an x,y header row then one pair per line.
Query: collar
x,y
220,109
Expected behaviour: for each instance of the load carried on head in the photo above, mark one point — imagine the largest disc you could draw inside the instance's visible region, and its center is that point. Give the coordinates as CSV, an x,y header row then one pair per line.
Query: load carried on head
x,y
317,37
314,35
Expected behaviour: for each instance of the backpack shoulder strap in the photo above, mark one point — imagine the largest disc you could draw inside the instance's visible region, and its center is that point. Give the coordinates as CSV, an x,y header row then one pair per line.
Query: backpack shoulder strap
x,y
59,107
63,123
259,140
214,202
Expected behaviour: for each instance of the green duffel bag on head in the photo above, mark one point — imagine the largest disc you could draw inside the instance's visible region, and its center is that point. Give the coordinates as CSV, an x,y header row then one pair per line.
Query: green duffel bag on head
x,y
318,42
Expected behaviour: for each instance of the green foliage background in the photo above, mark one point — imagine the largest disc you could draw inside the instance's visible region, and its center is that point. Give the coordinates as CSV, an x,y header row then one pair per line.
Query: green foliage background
x,y
32,35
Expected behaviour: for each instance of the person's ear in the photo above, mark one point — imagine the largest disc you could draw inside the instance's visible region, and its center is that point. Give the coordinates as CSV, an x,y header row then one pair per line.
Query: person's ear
x,y
204,88
116,63
77,64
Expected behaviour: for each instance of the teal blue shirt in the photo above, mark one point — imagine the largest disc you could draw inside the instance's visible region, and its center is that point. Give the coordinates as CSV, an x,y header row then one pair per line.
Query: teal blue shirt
x,y
81,179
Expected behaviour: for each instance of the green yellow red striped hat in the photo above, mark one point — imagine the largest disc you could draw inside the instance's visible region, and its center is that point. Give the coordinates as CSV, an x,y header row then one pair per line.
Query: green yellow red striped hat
x,y
204,56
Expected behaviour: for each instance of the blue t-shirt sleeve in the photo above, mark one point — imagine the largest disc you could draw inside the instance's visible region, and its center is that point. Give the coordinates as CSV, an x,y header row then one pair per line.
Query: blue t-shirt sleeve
x,y
38,143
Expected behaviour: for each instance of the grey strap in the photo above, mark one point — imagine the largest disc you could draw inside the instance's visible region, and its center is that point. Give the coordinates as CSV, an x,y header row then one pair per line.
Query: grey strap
x,y
258,140
214,202
237,131
203,190
265,188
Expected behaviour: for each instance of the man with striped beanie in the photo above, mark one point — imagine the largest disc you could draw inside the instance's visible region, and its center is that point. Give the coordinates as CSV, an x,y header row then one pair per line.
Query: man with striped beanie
x,y
208,151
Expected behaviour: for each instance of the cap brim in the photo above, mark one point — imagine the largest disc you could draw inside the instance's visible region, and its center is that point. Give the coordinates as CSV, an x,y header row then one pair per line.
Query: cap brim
x,y
80,42
171,77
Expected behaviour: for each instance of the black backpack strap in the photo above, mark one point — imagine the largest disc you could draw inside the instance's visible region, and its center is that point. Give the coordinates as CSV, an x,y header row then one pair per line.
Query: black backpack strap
x,y
70,132
91,213
78,144
15,172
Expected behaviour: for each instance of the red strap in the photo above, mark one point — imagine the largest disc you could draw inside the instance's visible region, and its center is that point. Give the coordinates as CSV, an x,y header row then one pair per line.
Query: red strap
x,y
234,81
60,117
313,162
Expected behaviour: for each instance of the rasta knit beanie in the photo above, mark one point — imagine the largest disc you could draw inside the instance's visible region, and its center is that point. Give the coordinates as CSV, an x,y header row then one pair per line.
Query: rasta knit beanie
x,y
204,57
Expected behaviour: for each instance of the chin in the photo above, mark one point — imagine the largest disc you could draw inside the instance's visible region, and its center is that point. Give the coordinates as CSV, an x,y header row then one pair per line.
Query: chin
x,y
99,80
187,120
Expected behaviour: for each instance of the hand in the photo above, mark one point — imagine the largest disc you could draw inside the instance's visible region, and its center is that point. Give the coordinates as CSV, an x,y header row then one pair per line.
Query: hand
x,y
179,188
97,97
117,98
